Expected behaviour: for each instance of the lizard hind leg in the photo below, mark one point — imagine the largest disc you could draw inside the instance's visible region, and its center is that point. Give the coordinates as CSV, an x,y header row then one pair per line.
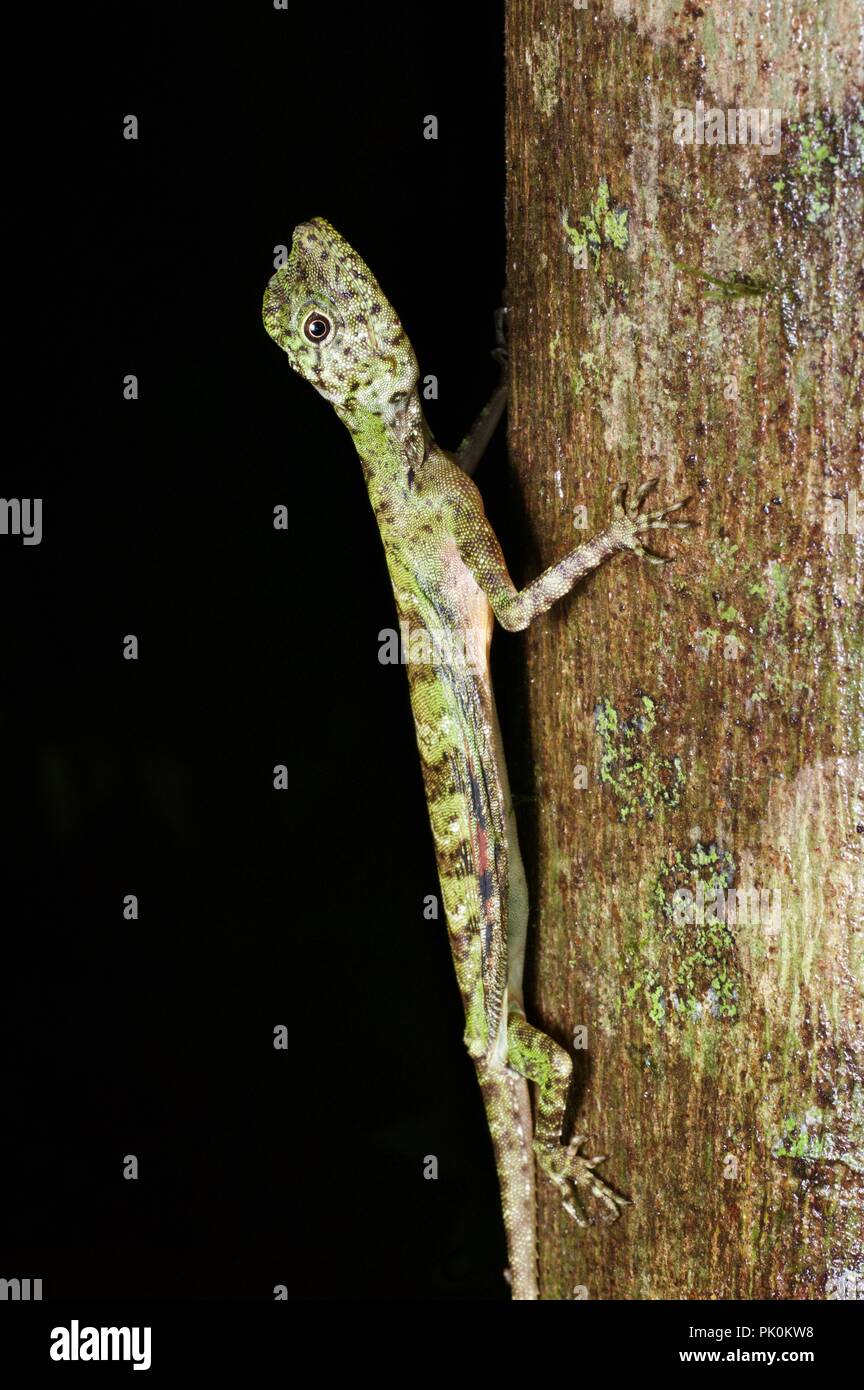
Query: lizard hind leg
x,y
535,1055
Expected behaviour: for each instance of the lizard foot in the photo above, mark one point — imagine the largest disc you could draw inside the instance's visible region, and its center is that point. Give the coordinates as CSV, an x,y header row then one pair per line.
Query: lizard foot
x,y
631,524
564,1165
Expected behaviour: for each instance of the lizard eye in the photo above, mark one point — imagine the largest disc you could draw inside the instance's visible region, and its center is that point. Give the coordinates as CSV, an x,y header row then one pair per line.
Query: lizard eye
x,y
317,327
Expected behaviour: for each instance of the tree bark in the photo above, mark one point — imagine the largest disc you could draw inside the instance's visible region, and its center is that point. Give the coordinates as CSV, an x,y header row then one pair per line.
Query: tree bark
x,y
691,311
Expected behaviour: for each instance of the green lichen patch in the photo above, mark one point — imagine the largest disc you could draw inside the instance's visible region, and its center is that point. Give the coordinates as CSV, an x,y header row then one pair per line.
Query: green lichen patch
x,y
801,1138
684,967
817,1135
773,589
641,778
817,189
601,226
724,551
804,190
586,374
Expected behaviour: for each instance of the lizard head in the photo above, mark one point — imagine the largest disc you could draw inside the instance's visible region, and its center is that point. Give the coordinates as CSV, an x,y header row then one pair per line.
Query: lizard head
x,y
325,309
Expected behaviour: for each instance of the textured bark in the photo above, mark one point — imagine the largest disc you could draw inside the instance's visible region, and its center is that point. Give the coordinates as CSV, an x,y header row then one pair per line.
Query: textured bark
x,y
715,705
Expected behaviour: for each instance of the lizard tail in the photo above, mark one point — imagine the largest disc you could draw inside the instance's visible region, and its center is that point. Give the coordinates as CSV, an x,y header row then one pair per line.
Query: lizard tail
x,y
508,1114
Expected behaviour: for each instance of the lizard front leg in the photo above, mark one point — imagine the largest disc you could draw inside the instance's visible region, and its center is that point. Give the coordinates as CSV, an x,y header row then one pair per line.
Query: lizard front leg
x,y
515,608
538,1057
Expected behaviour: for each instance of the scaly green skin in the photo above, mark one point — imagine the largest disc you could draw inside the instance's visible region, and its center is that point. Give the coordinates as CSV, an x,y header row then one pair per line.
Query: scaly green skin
x,y
327,312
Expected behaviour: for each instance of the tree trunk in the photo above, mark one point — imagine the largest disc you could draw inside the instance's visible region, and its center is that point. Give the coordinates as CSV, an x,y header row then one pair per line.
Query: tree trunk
x,y
686,308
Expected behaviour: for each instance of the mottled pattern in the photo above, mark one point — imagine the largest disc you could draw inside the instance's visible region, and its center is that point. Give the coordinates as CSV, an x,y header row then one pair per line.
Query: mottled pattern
x,y
326,310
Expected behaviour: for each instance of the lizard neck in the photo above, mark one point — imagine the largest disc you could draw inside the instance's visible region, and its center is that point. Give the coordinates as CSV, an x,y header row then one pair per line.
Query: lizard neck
x,y
392,439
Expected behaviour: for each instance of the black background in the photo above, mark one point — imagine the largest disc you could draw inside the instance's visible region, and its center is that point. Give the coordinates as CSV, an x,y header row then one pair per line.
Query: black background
x,y
155,777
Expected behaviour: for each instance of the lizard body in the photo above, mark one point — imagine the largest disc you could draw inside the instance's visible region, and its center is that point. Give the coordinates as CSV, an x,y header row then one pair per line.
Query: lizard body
x,y
450,581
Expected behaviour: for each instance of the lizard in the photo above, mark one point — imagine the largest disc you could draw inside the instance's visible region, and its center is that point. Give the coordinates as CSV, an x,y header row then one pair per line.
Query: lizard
x,y
325,309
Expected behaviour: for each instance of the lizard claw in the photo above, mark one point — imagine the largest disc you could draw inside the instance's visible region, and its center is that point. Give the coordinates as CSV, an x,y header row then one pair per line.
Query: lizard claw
x,y
619,499
664,511
630,525
576,1214
569,1169
652,559
643,489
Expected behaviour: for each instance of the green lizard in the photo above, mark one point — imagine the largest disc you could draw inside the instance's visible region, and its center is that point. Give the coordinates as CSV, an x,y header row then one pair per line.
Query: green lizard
x,y
326,310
